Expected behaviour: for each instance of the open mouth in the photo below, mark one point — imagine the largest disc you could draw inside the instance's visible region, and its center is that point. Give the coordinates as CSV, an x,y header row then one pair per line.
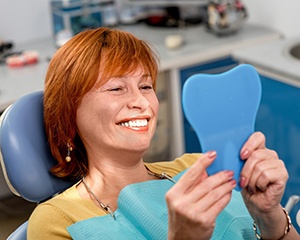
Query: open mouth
x,y
135,123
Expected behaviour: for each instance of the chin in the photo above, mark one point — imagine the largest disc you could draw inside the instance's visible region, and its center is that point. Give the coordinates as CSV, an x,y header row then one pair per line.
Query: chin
x,y
141,149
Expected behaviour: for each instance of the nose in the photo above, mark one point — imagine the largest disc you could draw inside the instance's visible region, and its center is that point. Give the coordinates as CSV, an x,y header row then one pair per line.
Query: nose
x,y
138,100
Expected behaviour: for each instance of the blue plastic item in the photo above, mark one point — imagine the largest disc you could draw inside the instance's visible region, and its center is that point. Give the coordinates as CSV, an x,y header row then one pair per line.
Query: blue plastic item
x,y
25,151
222,110
26,157
20,233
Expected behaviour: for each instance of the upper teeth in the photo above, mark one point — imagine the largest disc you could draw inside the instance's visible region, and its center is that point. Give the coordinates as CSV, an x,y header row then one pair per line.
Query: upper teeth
x,y
136,123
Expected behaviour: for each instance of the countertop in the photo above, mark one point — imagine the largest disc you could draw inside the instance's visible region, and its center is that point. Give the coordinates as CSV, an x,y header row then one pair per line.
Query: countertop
x,y
199,46
273,59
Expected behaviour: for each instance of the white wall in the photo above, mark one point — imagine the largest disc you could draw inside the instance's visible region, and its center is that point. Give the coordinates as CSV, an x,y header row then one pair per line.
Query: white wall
x,y
24,20
282,16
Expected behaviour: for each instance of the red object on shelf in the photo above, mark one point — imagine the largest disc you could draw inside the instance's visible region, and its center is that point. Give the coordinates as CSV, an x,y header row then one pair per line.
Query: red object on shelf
x,y
25,58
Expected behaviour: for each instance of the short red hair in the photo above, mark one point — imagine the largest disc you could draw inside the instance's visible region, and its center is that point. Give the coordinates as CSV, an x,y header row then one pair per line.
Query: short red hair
x,y
90,57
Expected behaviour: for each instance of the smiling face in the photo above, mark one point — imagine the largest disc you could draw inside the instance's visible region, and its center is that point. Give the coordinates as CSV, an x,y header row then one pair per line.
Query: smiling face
x,y
119,115
77,104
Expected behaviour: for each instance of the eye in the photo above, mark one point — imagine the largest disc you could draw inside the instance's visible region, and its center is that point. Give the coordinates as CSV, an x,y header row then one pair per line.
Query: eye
x,y
147,87
115,89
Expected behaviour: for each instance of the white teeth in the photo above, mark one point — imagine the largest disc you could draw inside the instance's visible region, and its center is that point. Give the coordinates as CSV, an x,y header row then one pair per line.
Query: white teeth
x,y
135,123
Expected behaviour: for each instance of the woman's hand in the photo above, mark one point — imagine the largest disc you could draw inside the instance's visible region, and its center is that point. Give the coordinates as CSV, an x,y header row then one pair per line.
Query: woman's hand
x,y
196,200
263,176
263,179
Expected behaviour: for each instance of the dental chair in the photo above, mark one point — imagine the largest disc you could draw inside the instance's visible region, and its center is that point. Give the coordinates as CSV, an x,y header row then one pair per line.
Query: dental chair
x,y
292,201
25,156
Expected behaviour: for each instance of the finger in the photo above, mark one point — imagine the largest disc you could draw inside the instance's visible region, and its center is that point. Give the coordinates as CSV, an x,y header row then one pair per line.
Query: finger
x,y
209,184
269,172
195,173
255,141
213,202
249,166
259,179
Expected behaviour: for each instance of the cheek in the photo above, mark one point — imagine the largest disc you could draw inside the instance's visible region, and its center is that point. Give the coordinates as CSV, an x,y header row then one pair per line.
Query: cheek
x,y
82,118
155,104
87,116
94,116
91,125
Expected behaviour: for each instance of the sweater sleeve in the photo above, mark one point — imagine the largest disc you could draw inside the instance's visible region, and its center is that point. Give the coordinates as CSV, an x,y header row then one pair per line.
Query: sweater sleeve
x,y
172,168
48,222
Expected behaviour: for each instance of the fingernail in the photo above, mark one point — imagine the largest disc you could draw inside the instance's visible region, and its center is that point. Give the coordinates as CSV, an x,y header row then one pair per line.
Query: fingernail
x,y
233,182
211,154
250,191
245,154
229,174
243,182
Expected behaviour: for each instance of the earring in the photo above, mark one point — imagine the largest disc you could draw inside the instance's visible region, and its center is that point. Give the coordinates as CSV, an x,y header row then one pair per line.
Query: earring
x,y
69,150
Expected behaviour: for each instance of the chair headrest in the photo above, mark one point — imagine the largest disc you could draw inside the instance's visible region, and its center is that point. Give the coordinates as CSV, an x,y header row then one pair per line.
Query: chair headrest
x,y
26,157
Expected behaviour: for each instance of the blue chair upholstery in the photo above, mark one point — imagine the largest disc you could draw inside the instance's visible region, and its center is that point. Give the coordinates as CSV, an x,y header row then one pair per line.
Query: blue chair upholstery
x,y
222,109
26,157
292,201
20,233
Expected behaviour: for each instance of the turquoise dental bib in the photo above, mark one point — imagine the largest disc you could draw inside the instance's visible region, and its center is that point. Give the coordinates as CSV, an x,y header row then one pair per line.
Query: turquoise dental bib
x,y
142,214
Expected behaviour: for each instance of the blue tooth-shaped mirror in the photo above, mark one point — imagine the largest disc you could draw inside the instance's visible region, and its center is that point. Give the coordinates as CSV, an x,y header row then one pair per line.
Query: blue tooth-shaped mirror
x,y
222,109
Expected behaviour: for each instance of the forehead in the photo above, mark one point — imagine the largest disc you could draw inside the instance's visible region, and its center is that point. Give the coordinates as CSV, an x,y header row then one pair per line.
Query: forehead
x,y
138,72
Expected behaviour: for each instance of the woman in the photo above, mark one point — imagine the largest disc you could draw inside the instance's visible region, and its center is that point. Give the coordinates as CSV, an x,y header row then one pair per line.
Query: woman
x,y
100,112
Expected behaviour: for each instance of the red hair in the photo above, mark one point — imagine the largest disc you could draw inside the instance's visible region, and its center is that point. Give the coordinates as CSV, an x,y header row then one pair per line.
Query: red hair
x,y
90,57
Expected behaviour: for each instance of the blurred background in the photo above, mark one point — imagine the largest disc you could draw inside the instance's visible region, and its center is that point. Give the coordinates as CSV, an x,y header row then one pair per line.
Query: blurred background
x,y
22,21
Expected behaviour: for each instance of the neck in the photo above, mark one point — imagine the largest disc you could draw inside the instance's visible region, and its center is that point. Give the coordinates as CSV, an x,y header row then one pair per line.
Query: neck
x,y
114,174
107,178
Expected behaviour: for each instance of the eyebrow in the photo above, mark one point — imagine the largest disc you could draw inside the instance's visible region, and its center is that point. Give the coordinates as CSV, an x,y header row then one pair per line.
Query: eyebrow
x,y
147,75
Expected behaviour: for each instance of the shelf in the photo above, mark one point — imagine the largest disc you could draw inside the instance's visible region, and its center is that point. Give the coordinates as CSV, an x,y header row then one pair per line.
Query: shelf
x,y
166,2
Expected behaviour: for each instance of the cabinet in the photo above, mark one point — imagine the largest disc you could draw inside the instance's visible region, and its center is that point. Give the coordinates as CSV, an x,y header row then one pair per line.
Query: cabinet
x,y
278,118
191,141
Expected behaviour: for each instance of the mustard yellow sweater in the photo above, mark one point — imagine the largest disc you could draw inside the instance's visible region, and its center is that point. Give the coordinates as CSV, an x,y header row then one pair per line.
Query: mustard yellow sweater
x,y
50,219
